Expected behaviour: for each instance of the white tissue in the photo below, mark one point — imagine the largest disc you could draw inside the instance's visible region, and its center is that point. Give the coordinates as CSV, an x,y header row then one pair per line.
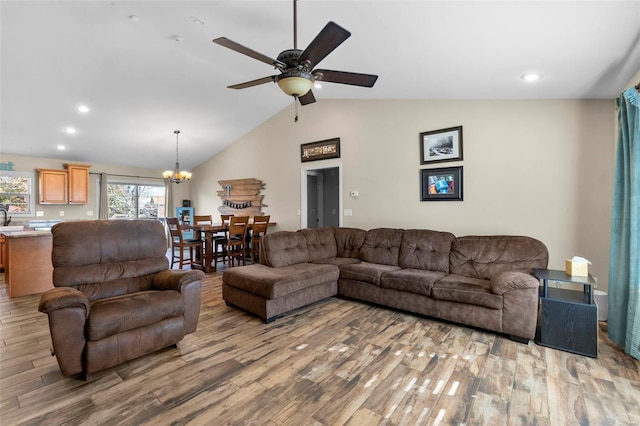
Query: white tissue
x,y
580,260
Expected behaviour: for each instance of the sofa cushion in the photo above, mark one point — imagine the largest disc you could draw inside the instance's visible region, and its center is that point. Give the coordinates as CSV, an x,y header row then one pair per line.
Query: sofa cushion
x,y
425,249
107,258
321,243
284,248
485,256
272,283
349,241
122,313
366,272
382,246
463,289
411,280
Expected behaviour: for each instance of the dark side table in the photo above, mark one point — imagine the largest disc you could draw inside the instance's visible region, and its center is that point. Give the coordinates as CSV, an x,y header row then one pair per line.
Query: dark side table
x,y
568,318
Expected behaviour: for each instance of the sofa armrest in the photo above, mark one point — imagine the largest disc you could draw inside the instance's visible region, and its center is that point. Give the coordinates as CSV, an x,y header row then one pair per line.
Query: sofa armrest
x,y
172,279
189,284
68,310
507,281
61,298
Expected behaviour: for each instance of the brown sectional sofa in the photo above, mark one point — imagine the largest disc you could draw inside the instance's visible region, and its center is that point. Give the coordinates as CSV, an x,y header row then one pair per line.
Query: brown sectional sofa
x,y
481,281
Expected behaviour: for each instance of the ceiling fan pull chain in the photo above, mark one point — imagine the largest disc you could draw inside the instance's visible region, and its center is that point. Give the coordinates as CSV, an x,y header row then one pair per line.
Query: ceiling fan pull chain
x,y
295,107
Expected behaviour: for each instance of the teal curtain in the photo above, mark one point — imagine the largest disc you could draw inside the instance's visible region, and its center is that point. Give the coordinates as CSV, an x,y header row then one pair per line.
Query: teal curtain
x,y
624,263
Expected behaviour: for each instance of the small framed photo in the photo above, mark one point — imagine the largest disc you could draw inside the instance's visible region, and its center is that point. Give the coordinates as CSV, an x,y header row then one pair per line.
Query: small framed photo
x,y
441,145
443,184
322,150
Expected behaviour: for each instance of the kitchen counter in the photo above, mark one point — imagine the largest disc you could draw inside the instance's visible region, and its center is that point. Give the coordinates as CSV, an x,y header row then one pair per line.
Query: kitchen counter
x,y
23,234
28,267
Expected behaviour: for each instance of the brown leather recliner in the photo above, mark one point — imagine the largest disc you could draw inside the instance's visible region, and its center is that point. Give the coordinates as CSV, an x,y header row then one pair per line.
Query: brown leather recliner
x,y
115,298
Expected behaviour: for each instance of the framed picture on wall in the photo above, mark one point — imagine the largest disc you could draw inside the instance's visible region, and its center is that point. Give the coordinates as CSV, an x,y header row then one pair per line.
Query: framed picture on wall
x,y
322,150
441,145
443,184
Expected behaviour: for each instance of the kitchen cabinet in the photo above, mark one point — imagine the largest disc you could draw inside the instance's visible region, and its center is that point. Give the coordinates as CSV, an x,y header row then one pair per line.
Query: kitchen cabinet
x,y
28,268
70,186
3,262
78,183
53,187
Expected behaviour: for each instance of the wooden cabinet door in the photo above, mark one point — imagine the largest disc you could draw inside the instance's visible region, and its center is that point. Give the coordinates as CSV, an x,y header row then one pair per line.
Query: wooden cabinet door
x,y
78,183
2,252
52,185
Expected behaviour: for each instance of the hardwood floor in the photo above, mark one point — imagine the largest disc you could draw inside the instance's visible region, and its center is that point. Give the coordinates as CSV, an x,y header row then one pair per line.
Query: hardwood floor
x,y
336,362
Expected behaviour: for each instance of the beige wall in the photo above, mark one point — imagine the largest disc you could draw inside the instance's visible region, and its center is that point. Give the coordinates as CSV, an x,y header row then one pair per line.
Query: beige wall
x,y
88,211
537,168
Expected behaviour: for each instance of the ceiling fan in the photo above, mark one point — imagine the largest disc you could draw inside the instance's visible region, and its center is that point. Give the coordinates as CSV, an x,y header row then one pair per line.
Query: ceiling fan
x,y
297,73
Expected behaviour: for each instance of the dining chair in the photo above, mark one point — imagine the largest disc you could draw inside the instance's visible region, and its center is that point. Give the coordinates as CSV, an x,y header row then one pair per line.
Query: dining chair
x,y
203,220
220,240
258,231
236,235
179,244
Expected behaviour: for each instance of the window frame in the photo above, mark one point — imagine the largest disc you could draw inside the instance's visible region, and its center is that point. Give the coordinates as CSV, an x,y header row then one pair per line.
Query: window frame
x,y
31,194
137,184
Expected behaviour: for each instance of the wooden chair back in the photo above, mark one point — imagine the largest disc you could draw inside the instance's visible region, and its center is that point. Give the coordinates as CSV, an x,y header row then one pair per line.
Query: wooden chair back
x,y
238,227
260,226
175,230
203,219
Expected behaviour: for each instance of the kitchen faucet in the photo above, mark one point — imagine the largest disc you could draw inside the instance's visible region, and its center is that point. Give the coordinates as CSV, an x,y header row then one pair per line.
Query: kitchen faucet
x,y
6,221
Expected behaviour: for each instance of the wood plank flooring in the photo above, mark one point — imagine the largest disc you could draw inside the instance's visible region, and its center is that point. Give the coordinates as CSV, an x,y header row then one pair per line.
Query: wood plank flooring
x,y
334,363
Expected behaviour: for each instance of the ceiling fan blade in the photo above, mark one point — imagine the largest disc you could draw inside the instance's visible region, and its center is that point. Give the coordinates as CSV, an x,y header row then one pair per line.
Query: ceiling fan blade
x,y
230,44
331,36
307,98
252,83
344,77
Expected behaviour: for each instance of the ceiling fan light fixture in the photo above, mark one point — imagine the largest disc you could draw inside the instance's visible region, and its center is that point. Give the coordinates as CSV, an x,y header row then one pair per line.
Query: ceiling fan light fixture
x,y
295,82
295,86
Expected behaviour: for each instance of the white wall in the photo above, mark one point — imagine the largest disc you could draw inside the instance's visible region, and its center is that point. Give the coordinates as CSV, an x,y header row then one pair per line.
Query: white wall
x,y
537,168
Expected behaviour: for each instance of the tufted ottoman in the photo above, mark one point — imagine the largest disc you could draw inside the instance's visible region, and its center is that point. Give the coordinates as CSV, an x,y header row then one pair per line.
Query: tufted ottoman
x,y
288,283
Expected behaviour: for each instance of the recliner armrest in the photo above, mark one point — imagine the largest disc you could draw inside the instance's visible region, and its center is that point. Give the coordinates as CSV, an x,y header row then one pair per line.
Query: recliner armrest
x,y
61,298
172,279
507,281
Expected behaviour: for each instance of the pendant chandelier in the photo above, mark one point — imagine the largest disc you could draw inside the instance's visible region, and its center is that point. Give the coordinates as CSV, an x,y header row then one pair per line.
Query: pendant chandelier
x,y
176,176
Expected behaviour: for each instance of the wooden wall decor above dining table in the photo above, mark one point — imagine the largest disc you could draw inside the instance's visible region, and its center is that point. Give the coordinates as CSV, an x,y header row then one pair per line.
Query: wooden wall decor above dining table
x,y
242,198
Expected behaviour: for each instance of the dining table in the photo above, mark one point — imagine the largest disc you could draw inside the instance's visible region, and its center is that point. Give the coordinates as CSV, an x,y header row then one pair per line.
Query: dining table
x,y
207,231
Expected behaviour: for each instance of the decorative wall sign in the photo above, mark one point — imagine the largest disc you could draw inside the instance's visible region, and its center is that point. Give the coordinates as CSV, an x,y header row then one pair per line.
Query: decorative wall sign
x,y
7,166
444,184
241,197
322,150
441,145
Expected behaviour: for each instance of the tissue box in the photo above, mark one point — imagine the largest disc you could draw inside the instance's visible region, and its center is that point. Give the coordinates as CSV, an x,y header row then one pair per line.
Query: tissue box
x,y
580,269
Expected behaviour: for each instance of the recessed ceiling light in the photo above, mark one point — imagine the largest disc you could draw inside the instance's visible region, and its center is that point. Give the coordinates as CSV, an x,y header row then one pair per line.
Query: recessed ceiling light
x,y
177,38
83,109
70,130
133,18
196,20
61,148
531,77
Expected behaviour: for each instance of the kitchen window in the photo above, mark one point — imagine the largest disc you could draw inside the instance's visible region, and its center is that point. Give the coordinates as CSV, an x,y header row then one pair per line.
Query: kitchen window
x,y
17,193
134,201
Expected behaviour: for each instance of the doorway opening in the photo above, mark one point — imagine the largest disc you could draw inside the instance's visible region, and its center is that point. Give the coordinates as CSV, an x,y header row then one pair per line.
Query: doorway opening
x,y
321,198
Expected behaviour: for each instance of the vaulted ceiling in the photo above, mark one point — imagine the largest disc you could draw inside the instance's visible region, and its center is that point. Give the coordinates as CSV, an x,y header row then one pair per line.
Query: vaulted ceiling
x,y
122,60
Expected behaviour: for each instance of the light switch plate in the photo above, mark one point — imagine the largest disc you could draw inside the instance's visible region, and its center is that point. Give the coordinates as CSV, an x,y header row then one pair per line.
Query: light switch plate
x,y
348,212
